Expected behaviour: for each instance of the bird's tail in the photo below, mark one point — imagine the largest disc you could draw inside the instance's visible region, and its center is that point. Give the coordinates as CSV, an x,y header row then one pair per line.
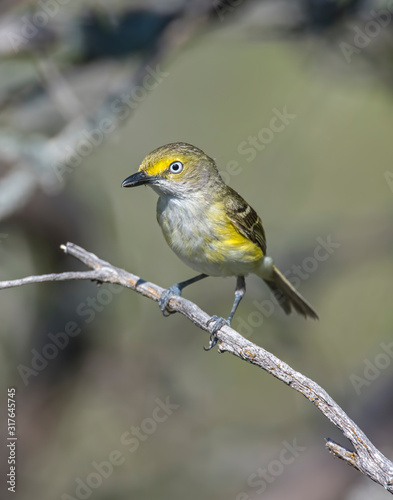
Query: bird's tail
x,y
288,297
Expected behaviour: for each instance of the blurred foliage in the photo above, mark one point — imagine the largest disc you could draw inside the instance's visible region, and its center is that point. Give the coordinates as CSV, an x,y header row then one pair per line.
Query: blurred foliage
x,y
325,175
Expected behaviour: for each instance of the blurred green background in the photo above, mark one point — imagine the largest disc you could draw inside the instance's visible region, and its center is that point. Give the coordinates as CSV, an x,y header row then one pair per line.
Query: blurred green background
x,y
323,176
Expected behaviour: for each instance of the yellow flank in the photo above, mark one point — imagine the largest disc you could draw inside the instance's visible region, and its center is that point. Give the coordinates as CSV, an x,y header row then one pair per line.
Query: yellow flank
x,y
236,246
230,244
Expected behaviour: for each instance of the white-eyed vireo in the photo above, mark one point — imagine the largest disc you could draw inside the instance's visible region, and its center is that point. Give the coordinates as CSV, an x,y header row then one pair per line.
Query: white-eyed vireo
x,y
210,226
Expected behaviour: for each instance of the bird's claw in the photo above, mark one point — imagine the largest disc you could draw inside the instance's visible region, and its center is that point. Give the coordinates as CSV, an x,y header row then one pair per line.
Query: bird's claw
x,y
166,297
218,323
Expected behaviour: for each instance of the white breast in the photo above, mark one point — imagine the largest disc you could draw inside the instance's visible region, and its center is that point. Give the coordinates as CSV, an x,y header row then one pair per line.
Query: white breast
x,y
186,231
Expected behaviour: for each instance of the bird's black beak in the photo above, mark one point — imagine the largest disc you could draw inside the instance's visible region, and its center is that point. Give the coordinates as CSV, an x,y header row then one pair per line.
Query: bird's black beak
x,y
137,179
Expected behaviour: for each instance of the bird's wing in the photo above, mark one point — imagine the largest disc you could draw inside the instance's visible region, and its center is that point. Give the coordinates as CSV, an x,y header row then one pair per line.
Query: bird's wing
x,y
245,220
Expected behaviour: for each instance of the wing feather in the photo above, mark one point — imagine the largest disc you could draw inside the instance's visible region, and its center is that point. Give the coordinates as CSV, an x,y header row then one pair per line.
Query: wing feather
x,y
245,220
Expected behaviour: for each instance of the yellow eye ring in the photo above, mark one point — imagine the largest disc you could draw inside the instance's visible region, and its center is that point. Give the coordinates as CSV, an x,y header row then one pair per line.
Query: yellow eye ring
x,y
176,167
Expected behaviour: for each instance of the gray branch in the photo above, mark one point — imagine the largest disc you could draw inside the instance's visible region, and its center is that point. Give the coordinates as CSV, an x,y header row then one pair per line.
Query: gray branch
x,y
365,457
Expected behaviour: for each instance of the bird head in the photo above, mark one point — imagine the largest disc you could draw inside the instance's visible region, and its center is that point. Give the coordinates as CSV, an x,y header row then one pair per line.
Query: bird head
x,y
176,169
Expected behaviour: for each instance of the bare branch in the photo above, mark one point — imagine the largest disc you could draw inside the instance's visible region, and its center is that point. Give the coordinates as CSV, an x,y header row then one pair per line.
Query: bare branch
x,y
83,275
365,457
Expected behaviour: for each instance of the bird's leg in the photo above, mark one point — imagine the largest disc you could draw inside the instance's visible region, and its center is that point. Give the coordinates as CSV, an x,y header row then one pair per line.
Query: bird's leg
x,y
176,290
219,322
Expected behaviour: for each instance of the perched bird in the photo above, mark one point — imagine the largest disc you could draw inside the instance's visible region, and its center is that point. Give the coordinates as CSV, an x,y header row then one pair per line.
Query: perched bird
x,y
210,227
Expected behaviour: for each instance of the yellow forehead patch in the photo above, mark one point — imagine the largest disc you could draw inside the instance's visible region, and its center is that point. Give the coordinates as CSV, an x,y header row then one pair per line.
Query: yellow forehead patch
x,y
157,166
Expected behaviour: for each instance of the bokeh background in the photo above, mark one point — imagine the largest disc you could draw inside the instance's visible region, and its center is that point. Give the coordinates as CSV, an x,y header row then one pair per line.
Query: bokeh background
x,y
225,70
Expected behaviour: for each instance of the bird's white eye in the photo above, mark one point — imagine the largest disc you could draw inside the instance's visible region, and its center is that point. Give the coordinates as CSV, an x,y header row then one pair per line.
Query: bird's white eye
x,y
176,167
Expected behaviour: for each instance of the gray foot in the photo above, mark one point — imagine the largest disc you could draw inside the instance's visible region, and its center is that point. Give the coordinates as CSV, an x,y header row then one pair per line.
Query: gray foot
x,y
218,322
165,298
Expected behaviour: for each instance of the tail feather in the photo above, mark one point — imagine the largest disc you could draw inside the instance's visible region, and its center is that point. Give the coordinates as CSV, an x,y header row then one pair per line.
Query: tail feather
x,y
288,297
